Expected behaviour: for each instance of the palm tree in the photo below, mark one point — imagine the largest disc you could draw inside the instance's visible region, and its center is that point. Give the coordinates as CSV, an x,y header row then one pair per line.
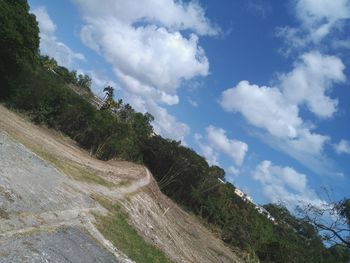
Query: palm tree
x,y
109,92
49,63
109,102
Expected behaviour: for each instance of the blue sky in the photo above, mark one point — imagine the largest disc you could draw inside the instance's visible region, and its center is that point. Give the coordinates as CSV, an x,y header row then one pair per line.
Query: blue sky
x,y
260,88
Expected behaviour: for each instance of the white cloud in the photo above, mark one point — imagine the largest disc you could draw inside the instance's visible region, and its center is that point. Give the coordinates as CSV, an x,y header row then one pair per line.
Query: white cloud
x,y
208,152
234,149
321,16
284,184
217,142
147,49
50,45
311,80
176,15
151,55
318,19
342,147
276,109
47,26
264,107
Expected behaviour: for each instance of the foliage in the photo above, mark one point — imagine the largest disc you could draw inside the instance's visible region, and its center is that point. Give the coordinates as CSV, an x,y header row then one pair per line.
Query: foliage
x,y
19,42
84,81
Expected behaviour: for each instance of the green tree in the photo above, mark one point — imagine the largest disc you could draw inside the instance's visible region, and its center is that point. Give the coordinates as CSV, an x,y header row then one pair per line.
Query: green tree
x,y
84,81
109,102
19,42
49,63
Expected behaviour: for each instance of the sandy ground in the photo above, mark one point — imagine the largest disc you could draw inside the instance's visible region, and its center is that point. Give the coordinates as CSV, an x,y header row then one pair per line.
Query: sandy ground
x,y
34,196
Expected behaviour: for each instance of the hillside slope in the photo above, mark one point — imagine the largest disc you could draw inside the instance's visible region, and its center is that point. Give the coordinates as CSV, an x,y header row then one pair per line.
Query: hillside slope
x,y
65,200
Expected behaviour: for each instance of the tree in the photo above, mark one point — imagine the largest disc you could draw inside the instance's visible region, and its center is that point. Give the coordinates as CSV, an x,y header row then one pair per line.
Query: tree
x,y
109,102
109,92
49,63
332,220
217,172
19,42
84,81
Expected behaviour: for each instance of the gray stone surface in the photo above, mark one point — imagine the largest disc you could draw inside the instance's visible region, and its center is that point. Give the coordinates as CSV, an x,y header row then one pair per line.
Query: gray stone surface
x,y
30,185
41,212
64,245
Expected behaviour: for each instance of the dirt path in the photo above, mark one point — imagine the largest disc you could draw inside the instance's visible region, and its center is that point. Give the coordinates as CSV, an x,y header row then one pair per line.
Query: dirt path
x,y
47,200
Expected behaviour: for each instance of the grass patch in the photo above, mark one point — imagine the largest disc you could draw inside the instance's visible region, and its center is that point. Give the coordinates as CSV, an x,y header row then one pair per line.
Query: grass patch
x,y
116,228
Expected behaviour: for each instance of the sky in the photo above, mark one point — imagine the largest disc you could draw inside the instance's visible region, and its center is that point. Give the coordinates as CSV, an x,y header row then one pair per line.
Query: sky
x,y
258,87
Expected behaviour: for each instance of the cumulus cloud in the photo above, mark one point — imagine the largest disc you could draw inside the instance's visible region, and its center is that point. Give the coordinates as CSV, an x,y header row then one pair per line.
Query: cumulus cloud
x,y
311,80
208,152
217,142
176,15
150,55
343,147
50,45
147,49
284,184
234,149
276,109
264,107
318,18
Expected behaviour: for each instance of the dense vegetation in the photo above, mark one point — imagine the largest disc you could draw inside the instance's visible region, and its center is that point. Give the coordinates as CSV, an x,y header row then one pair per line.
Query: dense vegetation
x,y
38,86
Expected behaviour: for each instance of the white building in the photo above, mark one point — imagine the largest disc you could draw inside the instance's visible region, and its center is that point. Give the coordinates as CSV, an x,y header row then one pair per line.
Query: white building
x,y
239,193
244,196
259,209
